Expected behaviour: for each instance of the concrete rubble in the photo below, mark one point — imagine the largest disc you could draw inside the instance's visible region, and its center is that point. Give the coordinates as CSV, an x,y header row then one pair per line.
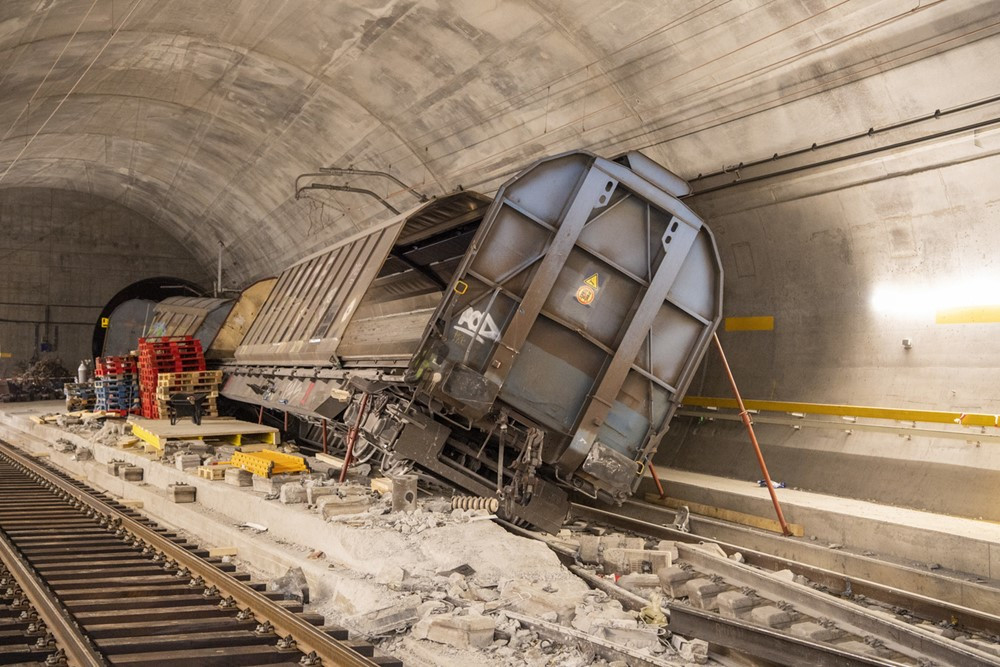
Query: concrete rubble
x,y
436,585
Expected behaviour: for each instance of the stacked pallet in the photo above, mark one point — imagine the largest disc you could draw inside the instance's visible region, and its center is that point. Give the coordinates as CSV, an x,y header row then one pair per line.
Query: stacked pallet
x,y
79,396
165,354
191,382
116,384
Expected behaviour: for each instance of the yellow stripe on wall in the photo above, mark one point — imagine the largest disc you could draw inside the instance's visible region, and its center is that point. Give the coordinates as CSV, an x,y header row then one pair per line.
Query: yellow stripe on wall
x,y
968,315
763,323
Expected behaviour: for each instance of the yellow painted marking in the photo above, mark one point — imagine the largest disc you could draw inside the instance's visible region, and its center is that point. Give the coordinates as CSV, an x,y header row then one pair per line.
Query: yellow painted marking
x,y
6,355
105,322
592,281
732,516
763,323
969,315
897,414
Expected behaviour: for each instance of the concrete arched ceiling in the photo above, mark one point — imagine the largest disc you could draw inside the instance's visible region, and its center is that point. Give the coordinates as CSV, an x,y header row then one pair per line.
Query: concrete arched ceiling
x,y
199,115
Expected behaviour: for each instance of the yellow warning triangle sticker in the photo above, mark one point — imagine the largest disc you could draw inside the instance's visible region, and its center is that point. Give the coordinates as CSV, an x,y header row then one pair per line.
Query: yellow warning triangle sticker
x,y
592,281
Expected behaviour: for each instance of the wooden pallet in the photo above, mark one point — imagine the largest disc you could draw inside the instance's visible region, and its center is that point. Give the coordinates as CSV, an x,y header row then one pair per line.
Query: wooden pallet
x,y
164,393
189,377
214,473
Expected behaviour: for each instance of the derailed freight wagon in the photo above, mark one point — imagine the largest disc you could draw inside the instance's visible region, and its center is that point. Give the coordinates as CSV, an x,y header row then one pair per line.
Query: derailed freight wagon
x,y
518,348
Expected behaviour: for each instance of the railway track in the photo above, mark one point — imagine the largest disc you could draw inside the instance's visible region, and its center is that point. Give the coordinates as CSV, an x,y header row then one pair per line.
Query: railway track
x,y
87,581
819,617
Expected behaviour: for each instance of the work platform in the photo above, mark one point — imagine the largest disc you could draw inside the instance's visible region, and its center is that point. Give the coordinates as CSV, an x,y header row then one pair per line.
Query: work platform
x,y
924,539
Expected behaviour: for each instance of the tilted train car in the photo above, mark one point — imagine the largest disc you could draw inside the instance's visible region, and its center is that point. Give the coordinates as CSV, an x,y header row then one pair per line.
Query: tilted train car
x,y
518,347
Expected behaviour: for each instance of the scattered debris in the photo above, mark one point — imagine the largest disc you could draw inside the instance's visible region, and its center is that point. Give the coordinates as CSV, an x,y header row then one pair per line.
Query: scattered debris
x,y
292,585
682,519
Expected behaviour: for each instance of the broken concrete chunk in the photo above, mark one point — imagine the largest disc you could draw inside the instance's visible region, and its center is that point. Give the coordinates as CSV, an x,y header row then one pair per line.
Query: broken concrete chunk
x,y
291,494
670,546
674,580
692,650
635,560
531,599
314,492
628,633
703,593
459,631
269,485
292,585
335,505
238,477
709,548
734,604
187,461
397,616
640,584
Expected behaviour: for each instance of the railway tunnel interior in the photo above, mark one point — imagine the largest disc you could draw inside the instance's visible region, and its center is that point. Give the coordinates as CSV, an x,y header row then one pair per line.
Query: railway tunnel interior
x,y
843,155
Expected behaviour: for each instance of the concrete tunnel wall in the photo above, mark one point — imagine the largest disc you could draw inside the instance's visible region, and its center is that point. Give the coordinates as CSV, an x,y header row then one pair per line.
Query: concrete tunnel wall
x,y
64,256
849,260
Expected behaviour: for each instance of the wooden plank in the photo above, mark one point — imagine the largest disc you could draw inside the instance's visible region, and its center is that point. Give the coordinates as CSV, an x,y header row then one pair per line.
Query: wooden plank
x,y
752,520
218,552
382,484
335,461
208,428
134,504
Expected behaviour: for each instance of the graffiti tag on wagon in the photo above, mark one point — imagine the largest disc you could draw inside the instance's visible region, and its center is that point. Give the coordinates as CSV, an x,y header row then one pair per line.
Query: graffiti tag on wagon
x,y
478,325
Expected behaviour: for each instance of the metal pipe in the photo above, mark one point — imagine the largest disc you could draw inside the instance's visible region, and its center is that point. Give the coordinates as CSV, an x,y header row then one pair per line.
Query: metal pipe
x,y
659,487
351,171
347,188
352,436
218,281
753,437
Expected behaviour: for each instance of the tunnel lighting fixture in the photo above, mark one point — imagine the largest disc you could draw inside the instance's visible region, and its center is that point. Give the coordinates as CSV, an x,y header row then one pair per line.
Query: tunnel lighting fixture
x,y
923,300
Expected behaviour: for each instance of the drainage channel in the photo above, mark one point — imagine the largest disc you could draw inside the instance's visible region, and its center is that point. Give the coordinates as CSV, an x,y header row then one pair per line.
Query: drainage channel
x,y
96,583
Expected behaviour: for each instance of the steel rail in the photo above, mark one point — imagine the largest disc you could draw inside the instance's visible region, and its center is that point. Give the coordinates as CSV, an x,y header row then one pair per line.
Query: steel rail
x,y
77,647
917,603
307,637
762,642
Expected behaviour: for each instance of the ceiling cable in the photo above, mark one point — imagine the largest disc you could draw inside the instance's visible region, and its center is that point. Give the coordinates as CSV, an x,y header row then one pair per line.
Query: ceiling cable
x,y
71,90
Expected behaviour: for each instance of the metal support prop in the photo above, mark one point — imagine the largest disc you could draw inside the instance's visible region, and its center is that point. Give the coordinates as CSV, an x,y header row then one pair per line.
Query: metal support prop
x,y
753,437
260,415
285,430
324,436
352,436
656,478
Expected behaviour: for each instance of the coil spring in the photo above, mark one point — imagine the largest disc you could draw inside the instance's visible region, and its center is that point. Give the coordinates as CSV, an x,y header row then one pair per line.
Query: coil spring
x,y
491,505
